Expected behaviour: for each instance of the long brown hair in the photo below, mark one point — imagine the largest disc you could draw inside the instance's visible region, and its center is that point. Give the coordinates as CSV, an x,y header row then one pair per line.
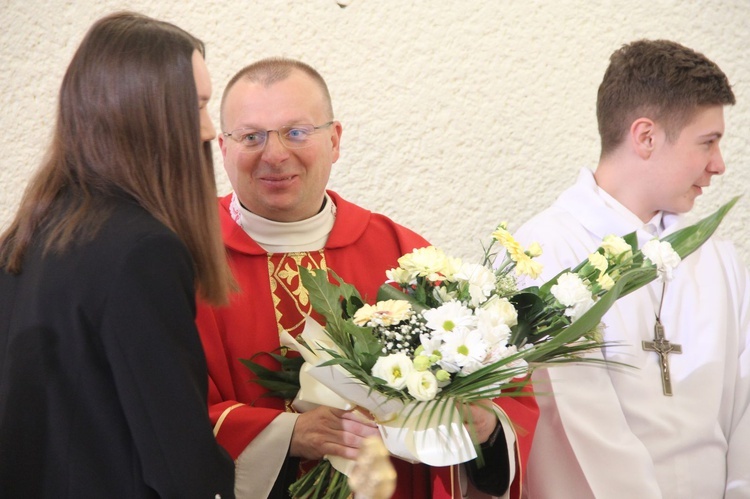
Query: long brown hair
x,y
127,123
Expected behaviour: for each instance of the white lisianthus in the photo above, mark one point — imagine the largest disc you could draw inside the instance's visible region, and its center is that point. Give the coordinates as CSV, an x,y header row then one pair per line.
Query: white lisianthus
x,y
449,317
616,247
443,377
422,385
383,313
422,362
599,262
394,369
480,279
661,254
572,293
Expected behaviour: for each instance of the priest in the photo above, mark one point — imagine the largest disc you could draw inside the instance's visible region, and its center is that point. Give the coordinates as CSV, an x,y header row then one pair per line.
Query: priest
x,y
279,142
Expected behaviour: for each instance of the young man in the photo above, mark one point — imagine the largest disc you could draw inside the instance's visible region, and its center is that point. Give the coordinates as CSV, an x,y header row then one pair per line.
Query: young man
x,y
674,424
279,142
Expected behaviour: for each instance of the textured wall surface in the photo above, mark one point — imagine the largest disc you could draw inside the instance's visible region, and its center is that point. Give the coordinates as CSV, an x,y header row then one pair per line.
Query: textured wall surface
x,y
457,114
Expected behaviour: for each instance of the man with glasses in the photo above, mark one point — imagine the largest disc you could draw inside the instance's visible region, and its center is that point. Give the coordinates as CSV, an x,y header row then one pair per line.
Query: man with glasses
x,y
279,142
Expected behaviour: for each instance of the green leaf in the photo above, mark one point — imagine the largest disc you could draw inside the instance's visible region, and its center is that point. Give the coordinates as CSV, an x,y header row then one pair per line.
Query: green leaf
x,y
528,305
689,239
388,292
325,298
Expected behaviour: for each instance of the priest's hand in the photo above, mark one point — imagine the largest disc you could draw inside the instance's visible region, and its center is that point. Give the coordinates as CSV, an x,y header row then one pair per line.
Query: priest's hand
x,y
484,419
328,431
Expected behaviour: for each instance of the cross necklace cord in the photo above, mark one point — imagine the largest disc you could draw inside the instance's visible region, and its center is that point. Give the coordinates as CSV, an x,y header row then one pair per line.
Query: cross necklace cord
x,y
662,347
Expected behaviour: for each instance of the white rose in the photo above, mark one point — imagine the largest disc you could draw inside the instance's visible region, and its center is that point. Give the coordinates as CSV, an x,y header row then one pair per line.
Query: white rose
x,y
394,369
501,310
422,385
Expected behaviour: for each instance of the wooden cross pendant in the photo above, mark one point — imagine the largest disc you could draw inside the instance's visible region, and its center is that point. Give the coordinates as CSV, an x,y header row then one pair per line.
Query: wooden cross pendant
x,y
663,347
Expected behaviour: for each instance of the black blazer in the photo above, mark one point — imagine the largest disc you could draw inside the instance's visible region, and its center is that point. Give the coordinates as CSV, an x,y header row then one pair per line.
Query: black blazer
x,y
102,377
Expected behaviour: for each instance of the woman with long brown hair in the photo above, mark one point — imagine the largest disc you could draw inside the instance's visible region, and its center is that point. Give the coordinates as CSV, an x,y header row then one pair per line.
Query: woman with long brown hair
x,y
102,377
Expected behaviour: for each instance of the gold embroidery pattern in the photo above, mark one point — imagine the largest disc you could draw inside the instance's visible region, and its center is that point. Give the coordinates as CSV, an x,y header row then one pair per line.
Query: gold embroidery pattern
x,y
290,299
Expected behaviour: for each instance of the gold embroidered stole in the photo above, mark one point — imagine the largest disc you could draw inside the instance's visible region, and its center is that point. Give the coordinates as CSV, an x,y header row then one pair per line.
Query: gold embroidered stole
x,y
290,299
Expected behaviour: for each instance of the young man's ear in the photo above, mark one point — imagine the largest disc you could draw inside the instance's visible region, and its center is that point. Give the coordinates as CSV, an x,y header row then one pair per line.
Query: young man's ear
x,y
643,137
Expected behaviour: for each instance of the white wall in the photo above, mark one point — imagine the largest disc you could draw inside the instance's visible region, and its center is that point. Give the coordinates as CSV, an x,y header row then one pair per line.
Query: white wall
x,y
457,114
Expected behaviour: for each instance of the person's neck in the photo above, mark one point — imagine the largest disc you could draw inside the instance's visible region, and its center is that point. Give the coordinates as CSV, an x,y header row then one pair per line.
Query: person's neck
x,y
294,220
620,180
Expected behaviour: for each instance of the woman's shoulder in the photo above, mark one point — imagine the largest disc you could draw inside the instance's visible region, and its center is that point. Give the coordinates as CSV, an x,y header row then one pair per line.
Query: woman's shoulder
x,y
130,233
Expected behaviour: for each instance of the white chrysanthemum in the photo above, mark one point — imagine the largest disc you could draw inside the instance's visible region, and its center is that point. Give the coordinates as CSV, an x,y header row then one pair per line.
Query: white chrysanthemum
x,y
430,262
449,317
572,293
394,369
599,262
480,279
422,385
464,352
383,313
661,254
430,345
616,247
401,276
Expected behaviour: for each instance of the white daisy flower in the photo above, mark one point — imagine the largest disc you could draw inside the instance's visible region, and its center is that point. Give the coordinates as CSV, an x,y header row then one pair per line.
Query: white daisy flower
x,y
463,351
449,317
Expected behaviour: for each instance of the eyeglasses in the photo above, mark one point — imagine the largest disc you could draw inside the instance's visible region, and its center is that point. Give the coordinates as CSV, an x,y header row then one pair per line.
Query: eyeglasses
x,y
292,136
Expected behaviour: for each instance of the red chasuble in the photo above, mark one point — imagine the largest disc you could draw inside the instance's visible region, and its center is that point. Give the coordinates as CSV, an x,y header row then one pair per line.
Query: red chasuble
x,y
360,248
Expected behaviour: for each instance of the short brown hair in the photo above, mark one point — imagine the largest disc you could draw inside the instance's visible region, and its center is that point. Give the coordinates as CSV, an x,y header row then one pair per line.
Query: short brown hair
x,y
661,80
127,123
272,70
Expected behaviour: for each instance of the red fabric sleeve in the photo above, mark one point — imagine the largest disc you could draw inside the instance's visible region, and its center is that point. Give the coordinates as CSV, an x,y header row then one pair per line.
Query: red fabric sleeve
x,y
523,412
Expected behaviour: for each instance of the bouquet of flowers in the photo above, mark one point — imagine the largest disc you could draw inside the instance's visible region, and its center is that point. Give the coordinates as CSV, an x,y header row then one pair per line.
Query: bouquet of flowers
x,y
446,333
